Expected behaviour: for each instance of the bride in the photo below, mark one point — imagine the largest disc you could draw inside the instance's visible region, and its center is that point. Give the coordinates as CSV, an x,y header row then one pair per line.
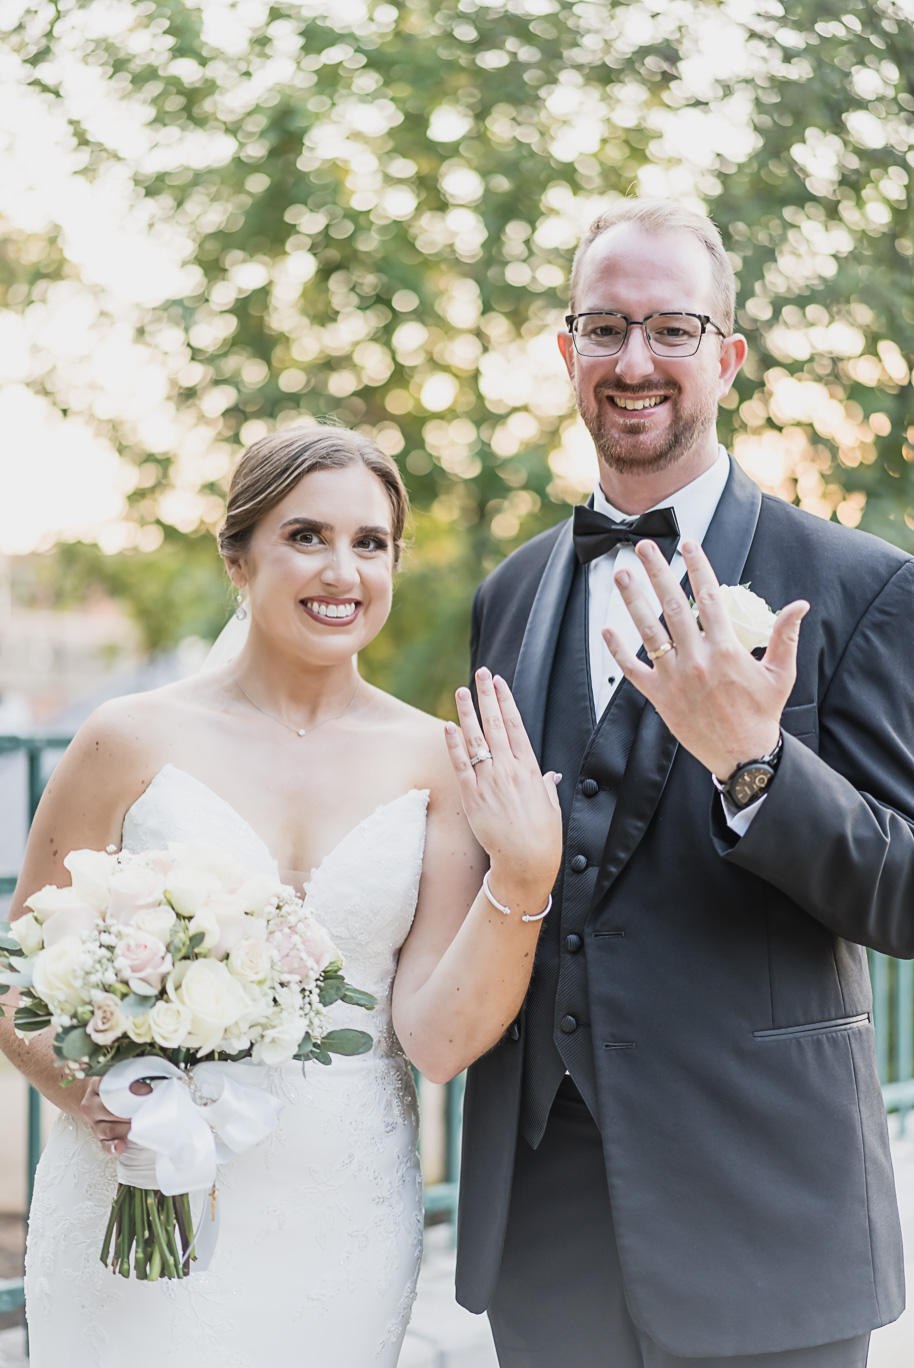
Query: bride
x,y
378,812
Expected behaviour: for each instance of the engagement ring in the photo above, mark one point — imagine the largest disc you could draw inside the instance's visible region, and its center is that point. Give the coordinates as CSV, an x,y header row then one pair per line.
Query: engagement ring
x,y
478,758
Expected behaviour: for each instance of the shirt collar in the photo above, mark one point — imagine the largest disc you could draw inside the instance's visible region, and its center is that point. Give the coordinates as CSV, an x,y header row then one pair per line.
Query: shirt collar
x,y
694,504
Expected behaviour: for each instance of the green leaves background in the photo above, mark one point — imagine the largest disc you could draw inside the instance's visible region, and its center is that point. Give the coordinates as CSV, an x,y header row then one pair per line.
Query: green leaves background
x,y
377,207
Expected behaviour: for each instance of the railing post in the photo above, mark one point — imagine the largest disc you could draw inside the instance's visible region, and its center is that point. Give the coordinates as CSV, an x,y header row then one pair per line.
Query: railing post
x,y
879,971
904,1028
454,1122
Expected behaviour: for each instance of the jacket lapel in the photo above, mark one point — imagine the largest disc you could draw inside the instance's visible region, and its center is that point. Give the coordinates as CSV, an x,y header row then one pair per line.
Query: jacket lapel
x,y
726,544
537,651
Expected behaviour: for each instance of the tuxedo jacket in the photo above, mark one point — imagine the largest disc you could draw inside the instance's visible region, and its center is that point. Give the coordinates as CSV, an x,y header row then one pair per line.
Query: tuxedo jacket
x,y
743,1128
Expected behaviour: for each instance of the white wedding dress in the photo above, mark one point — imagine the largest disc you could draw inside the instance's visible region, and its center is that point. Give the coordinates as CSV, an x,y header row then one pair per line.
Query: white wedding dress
x,y
321,1225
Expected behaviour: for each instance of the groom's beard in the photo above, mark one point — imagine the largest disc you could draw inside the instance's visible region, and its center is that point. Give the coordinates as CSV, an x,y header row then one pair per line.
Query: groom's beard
x,y
623,452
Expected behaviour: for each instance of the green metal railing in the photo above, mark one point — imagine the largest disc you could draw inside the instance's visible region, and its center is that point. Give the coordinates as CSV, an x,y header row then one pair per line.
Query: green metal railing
x,y
440,1197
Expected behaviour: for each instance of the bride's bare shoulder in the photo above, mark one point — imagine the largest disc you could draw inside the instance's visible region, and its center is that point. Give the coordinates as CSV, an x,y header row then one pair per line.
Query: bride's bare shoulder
x,y
123,738
420,736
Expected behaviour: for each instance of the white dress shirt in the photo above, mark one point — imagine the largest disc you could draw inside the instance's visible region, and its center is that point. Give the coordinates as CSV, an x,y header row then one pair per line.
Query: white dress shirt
x,y
694,506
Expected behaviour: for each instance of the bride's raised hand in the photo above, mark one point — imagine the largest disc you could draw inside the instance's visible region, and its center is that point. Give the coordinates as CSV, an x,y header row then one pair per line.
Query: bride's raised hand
x,y
511,805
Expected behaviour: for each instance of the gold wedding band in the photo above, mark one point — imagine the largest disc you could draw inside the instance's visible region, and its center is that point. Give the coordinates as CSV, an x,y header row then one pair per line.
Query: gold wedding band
x,y
661,651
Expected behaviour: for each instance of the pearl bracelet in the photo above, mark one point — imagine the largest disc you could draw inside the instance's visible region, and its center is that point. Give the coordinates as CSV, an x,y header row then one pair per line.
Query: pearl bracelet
x,y
526,917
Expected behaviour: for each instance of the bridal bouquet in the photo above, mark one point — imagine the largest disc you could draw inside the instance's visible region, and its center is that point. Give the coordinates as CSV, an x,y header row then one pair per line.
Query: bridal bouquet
x,y
178,968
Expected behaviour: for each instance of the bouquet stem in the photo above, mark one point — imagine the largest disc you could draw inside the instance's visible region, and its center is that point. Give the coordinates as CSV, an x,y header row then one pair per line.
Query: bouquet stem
x,y
151,1233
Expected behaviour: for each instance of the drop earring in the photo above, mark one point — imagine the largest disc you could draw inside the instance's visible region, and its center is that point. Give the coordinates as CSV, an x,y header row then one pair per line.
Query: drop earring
x,y
241,612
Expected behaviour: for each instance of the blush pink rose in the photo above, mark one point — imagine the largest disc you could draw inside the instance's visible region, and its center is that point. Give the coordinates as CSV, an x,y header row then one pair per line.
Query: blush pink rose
x,y
70,916
142,961
73,923
132,891
233,924
305,950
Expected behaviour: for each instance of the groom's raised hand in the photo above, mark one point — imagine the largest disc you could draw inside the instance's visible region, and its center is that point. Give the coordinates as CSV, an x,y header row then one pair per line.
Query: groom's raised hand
x,y
720,703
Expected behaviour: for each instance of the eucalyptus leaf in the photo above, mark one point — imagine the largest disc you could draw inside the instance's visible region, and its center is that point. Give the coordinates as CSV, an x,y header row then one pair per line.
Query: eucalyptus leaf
x,y
78,1044
321,1057
197,940
357,997
134,1005
346,1042
30,1023
14,980
332,989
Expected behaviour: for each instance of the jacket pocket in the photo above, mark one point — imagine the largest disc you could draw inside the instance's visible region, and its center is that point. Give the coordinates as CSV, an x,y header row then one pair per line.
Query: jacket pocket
x,y
802,721
814,1027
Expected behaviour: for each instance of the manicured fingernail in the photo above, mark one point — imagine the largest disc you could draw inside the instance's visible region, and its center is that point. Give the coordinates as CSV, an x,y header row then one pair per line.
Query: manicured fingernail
x,y
623,578
483,674
463,694
557,778
499,682
450,728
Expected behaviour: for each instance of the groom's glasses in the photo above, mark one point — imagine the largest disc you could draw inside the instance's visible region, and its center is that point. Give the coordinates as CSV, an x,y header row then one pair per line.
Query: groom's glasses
x,y
667,334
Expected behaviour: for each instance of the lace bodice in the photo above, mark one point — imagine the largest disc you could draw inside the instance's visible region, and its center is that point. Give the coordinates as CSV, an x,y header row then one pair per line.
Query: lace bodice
x,y
368,915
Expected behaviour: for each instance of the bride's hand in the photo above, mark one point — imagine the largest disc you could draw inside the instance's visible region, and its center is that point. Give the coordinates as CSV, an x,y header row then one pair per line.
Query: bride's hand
x,y
512,807
109,1130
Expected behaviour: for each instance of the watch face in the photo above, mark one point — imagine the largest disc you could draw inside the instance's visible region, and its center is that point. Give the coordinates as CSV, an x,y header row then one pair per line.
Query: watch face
x,y
750,783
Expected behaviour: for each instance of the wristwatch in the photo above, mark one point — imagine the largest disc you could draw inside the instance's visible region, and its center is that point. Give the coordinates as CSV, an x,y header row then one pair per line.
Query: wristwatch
x,y
750,780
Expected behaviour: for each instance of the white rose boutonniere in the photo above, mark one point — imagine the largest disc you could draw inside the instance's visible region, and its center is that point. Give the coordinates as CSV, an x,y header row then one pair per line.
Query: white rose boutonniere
x,y
750,617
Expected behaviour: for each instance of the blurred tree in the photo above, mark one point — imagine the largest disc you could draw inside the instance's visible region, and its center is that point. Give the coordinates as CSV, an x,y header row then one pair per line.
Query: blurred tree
x,y
377,216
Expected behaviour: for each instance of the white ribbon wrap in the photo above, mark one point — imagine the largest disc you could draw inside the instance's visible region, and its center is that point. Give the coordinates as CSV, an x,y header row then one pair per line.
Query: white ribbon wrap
x,y
193,1120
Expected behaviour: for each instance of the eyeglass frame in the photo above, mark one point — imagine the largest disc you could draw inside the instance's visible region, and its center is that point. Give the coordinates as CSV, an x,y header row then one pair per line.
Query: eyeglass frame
x,y
705,320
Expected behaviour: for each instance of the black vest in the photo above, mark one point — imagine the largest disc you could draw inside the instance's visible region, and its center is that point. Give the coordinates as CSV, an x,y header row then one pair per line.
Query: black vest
x,y
592,759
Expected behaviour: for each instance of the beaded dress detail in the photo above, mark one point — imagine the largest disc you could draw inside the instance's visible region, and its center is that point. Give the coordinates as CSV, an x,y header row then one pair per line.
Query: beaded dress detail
x,y
321,1224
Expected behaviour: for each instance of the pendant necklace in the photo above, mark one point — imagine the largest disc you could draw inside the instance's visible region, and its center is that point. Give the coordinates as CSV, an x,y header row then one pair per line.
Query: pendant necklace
x,y
299,731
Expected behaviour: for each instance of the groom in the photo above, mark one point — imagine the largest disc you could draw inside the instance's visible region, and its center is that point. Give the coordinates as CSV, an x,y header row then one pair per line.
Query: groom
x,y
678,1154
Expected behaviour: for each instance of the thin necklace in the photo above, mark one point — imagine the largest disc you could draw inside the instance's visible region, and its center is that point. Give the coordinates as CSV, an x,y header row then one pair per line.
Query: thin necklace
x,y
299,731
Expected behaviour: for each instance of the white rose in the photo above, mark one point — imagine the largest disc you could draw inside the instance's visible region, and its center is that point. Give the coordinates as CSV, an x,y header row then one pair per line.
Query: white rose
x,y
251,959
233,922
206,858
27,931
207,922
138,1028
108,1021
58,975
214,998
158,922
91,871
50,900
279,1043
188,889
258,890
751,618
169,1024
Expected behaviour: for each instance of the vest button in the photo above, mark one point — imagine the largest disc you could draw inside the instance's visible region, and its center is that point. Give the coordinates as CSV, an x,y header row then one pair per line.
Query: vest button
x,y
579,864
590,788
514,1031
568,1025
573,944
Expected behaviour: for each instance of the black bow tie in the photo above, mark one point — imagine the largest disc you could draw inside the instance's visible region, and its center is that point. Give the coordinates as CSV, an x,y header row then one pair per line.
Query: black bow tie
x,y
595,534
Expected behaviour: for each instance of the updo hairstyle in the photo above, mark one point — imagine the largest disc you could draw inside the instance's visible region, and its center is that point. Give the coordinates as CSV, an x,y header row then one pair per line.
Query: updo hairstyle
x,y
269,469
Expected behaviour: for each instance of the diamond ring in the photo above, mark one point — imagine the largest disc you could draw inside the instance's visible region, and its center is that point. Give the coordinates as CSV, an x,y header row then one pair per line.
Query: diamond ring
x,y
478,758
661,651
